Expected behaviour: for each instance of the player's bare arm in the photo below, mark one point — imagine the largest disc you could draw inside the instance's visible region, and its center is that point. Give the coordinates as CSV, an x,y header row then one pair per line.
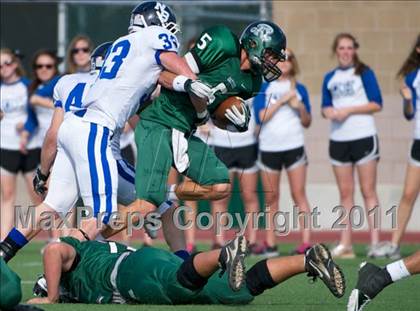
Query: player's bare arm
x,y
37,100
58,258
408,100
48,152
200,93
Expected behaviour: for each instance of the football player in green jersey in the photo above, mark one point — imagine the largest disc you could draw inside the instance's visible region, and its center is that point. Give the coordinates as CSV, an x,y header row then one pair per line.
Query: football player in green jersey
x,y
108,272
232,66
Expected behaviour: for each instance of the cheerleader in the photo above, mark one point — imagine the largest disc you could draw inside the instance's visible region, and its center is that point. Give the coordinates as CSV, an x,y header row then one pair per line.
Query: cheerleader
x,y
350,97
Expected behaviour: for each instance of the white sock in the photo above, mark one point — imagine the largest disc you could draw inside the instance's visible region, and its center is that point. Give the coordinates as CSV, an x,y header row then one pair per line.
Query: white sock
x,y
171,193
397,270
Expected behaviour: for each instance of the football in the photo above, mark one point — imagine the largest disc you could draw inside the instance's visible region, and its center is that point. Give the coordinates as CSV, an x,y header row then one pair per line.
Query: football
x,y
219,119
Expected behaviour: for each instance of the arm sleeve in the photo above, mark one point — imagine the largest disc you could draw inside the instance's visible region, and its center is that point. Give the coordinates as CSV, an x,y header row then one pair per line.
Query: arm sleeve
x,y
162,40
259,102
31,122
409,81
26,81
48,89
371,86
212,47
304,95
58,101
326,94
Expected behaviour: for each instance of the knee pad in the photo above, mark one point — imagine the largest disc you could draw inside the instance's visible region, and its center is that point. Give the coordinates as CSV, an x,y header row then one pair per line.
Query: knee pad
x,y
258,278
188,277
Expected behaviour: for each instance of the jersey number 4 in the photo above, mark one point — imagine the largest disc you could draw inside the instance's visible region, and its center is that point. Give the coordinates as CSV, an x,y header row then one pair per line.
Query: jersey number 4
x,y
75,97
115,59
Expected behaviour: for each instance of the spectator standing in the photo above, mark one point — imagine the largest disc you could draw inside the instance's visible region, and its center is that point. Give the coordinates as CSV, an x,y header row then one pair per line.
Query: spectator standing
x,y
14,112
350,97
78,54
409,75
283,110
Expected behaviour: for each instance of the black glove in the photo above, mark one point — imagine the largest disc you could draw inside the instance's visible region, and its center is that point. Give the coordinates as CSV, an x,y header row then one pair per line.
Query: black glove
x,y
39,182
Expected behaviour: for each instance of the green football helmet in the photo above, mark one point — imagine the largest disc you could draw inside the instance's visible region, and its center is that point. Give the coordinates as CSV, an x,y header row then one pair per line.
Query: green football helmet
x,y
265,45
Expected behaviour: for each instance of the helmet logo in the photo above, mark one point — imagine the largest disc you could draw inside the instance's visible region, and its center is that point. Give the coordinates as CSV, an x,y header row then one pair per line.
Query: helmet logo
x,y
162,12
263,31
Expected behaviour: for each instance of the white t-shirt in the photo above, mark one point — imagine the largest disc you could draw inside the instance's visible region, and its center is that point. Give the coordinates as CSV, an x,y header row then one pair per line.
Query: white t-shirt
x,y
284,130
14,105
128,77
343,88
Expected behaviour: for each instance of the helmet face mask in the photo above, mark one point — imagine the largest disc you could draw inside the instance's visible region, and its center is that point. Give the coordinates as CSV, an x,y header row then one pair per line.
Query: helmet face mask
x,y
98,56
265,44
153,13
270,70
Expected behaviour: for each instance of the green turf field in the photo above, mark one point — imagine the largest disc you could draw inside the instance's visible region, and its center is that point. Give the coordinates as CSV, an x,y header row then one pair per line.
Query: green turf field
x,y
295,294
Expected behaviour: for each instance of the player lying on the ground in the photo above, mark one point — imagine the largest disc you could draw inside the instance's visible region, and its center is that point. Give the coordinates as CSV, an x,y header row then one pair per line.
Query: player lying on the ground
x,y
372,279
108,272
232,67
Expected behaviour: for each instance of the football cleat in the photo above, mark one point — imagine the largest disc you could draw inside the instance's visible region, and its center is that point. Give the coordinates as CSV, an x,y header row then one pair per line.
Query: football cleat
x,y
357,300
372,280
232,260
319,264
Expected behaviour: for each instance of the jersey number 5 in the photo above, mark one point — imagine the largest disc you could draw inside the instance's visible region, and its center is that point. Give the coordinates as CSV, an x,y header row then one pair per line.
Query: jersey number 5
x,y
114,60
203,41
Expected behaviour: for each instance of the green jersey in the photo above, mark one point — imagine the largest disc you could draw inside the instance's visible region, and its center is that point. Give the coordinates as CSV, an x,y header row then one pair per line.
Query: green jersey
x,y
216,59
90,280
108,272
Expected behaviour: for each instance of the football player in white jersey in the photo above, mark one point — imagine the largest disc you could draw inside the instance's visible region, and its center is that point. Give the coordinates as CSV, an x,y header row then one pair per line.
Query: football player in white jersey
x,y
128,77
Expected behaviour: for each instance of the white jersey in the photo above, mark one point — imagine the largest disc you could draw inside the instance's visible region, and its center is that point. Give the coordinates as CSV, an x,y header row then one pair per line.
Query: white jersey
x,y
413,82
343,88
69,94
71,89
284,131
222,138
128,77
14,105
